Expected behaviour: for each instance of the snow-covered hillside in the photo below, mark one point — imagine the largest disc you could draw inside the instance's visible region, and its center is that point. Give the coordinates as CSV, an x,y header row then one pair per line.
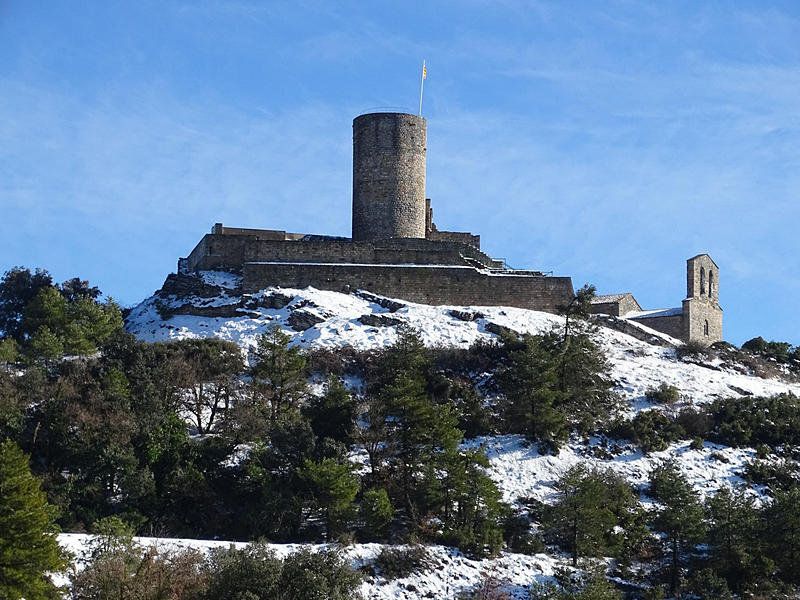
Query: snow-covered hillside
x,y
317,318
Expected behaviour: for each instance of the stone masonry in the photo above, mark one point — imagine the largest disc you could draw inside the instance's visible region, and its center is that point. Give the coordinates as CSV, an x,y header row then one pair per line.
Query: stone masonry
x,y
698,319
396,250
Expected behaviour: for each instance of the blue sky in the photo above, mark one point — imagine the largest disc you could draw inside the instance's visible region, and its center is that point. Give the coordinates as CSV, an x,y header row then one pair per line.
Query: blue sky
x,y
608,141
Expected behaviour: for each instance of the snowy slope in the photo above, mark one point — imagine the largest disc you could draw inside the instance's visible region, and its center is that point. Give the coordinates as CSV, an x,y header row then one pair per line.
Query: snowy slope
x,y
450,572
637,365
519,470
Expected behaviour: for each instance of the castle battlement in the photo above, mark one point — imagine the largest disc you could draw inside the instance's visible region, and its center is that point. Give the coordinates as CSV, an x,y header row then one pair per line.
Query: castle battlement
x,y
396,250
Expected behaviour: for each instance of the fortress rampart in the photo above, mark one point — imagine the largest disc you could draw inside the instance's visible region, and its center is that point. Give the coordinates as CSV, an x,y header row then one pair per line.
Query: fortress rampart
x,y
396,249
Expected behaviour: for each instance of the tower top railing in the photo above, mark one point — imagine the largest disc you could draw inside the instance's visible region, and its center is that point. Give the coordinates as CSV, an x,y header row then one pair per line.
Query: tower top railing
x,y
387,109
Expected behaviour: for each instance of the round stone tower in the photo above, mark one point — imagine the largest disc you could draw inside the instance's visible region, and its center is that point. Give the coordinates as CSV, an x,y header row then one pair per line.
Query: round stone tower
x,y
388,176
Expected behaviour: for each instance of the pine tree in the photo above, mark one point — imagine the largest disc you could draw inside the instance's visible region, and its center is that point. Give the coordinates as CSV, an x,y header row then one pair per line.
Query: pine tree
x,y
734,539
531,387
28,545
278,371
594,514
680,517
9,351
783,517
333,487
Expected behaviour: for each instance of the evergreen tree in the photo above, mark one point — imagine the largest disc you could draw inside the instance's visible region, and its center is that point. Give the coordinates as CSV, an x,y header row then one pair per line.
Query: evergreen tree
x,y
783,533
29,548
18,287
734,539
332,415
530,383
579,307
377,512
279,373
9,351
333,487
680,517
46,345
594,515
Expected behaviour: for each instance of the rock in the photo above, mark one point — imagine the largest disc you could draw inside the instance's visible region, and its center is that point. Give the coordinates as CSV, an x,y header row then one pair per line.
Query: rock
x,y
378,320
184,286
300,320
463,315
390,305
499,329
275,301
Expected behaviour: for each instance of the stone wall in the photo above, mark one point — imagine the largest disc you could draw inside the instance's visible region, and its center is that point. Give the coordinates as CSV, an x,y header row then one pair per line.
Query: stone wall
x,y
217,251
703,320
389,176
460,286
352,252
671,325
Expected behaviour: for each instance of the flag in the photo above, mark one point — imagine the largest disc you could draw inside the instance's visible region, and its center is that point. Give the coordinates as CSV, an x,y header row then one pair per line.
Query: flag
x,y
424,71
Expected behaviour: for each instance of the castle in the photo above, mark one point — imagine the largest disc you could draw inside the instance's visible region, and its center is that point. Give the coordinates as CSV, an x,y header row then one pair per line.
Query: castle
x,y
396,250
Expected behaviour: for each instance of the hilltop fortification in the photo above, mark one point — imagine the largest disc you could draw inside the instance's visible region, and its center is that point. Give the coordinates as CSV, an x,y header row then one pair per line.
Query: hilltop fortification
x,y
395,248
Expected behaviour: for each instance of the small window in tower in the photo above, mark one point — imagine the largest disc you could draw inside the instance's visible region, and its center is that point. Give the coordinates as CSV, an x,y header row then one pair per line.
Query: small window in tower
x,y
710,282
702,281
705,328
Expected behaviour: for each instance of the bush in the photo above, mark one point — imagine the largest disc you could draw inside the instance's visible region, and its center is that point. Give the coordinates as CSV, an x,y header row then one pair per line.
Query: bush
x,y
692,348
325,574
663,394
778,475
133,573
401,561
252,573
650,429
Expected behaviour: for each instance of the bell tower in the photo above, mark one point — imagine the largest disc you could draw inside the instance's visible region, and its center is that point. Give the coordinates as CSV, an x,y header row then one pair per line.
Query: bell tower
x,y
702,315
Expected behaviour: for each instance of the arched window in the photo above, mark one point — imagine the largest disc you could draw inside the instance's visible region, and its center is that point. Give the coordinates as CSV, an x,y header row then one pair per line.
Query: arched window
x,y
711,283
702,281
705,328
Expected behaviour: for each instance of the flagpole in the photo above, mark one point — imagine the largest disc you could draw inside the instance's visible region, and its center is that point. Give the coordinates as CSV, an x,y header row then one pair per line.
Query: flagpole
x,y
421,87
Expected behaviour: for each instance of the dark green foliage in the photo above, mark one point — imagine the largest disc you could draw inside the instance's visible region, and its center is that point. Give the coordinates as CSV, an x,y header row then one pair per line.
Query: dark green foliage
x,y
28,545
595,514
579,307
332,415
663,394
376,512
475,416
18,288
779,474
679,518
532,392
279,374
396,562
331,488
324,574
734,538
652,430
553,385
9,352
577,586
773,421
252,573
780,352
783,533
